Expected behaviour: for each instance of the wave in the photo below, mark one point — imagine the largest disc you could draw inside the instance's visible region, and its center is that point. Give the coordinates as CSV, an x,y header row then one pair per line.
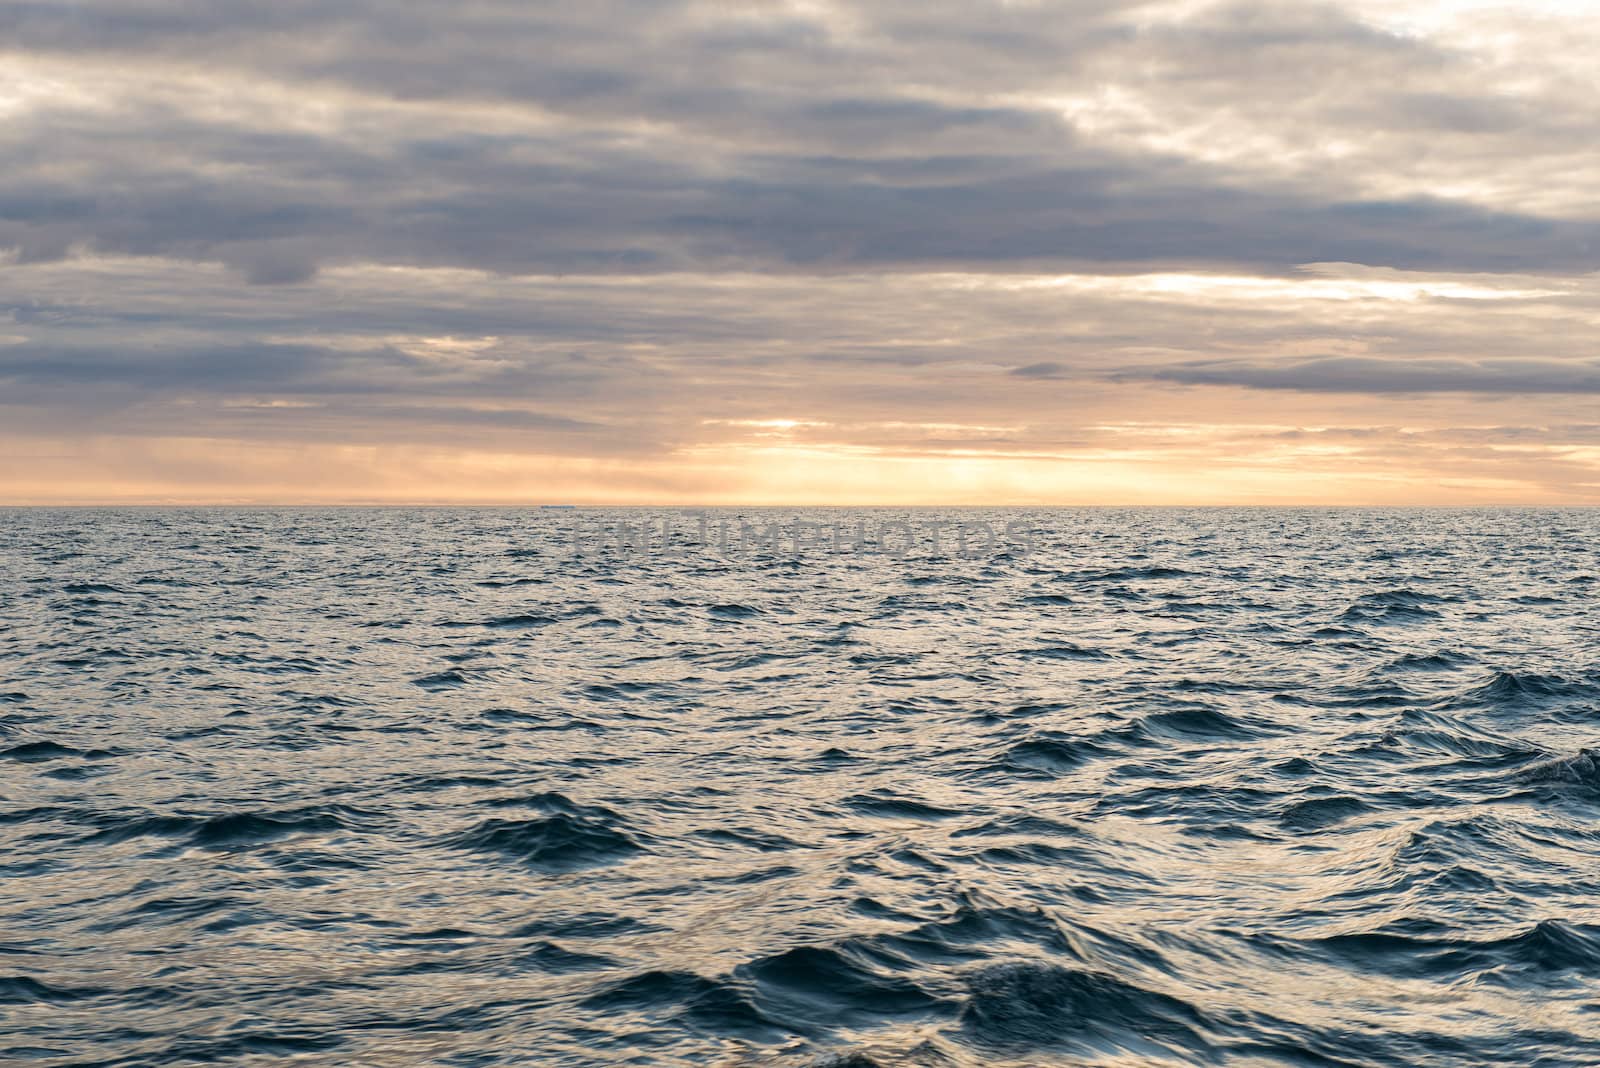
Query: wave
x,y
1583,769
1052,754
817,989
40,751
26,990
1037,1005
560,842
891,806
1545,947
228,829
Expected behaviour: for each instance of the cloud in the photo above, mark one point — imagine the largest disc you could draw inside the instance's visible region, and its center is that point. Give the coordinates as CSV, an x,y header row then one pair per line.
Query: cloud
x,y
652,137
635,229
1352,374
1045,369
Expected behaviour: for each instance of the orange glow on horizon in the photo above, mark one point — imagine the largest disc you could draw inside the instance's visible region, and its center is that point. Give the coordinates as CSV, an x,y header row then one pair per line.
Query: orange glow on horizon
x,y
768,473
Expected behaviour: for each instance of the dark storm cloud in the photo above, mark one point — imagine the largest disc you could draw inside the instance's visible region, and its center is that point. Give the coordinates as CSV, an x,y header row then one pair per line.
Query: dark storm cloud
x,y
1351,374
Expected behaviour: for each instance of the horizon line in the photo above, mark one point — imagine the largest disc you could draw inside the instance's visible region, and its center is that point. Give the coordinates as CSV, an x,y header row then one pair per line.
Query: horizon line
x,y
551,506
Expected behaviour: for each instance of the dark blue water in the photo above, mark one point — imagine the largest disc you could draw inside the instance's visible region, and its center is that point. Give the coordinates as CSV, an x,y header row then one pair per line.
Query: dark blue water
x,y
417,787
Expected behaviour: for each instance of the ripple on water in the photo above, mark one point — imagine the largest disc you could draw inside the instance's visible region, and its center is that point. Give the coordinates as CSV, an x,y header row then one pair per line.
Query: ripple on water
x,y
1257,787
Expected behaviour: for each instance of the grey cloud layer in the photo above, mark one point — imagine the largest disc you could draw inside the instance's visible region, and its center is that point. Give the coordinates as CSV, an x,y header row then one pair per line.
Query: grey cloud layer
x,y
586,363
629,136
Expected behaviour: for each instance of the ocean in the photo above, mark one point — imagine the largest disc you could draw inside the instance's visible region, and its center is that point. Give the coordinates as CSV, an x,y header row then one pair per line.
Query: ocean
x,y
1113,787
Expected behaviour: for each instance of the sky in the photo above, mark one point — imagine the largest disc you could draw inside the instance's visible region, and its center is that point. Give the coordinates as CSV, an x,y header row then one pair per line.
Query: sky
x,y
1001,252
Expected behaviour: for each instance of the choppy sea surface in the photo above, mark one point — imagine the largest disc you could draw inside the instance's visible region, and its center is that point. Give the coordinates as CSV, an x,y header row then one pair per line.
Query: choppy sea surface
x,y
423,787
